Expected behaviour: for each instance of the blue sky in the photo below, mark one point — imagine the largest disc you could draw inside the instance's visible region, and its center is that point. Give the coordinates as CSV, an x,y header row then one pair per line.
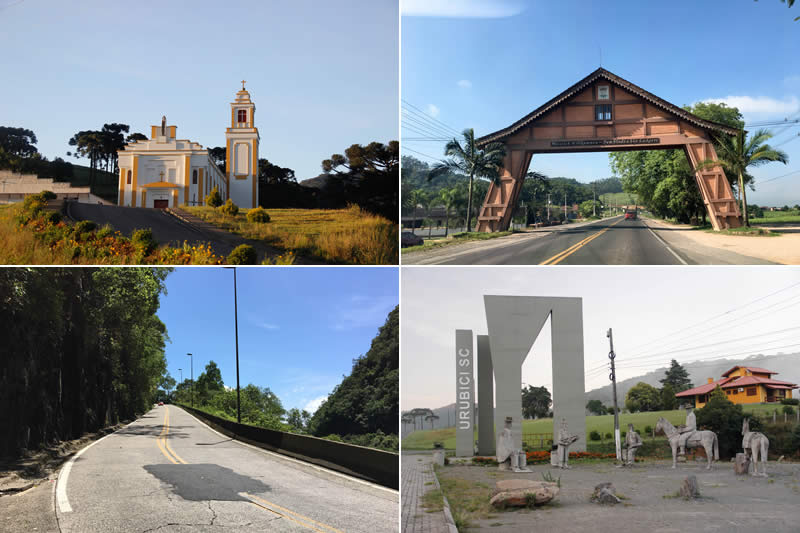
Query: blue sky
x,y
299,327
323,75
484,64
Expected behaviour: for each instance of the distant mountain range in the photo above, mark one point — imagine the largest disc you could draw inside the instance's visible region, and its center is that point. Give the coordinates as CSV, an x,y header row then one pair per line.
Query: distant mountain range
x,y
786,365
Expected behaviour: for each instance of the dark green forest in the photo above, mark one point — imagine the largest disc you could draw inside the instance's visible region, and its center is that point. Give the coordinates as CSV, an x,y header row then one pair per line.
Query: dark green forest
x,y
82,349
364,407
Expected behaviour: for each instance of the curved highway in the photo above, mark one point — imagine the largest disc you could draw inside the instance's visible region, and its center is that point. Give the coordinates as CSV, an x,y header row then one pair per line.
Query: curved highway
x,y
169,472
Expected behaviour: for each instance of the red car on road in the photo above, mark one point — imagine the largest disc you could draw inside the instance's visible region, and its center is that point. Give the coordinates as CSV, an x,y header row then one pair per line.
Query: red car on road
x,y
630,215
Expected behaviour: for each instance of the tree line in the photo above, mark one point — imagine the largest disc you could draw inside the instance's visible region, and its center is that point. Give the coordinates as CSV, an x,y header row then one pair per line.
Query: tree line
x,y
365,175
664,180
83,348
449,190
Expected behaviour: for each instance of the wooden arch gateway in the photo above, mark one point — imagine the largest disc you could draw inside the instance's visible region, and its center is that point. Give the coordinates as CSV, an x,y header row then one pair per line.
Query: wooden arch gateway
x,y
604,113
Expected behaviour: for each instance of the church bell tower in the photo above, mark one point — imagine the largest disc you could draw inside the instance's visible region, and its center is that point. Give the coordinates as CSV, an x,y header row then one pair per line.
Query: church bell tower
x,y
241,167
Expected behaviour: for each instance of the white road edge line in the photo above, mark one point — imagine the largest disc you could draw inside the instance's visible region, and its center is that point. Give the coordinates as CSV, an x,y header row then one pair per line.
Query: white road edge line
x,y
662,241
297,461
63,475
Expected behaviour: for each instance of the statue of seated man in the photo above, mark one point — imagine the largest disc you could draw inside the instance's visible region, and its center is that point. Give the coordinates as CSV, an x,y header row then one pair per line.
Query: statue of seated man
x,y
564,442
686,431
632,442
510,457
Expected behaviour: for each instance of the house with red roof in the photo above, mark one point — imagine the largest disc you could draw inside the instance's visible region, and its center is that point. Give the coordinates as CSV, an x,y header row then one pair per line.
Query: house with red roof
x,y
742,384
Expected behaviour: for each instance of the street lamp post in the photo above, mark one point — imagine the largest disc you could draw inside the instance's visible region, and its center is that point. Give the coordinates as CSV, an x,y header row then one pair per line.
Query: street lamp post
x,y
236,330
191,362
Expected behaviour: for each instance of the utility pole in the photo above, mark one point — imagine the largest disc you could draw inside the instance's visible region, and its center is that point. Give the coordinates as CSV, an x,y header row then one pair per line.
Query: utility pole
x,y
191,362
613,378
236,328
594,199
548,208
565,206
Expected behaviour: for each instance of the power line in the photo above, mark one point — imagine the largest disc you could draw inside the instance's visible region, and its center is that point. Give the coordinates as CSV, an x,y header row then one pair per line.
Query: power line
x,y
422,124
777,177
409,104
424,121
704,322
420,153
793,301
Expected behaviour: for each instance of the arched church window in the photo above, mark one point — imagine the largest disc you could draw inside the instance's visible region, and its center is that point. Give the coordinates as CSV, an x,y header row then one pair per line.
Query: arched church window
x,y
242,115
194,177
129,177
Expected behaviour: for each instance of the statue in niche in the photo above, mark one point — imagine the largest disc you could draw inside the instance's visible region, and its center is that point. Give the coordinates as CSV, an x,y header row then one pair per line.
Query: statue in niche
x,y
509,457
164,125
632,444
565,440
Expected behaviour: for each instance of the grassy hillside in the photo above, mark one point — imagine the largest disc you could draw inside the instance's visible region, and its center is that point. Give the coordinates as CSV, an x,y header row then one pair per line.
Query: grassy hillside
x,y
423,440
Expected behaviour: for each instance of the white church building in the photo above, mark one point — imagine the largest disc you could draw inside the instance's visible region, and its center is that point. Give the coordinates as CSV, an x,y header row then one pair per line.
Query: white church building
x,y
164,171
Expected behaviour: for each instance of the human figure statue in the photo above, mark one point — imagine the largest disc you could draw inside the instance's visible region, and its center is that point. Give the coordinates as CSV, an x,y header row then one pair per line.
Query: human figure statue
x,y
164,125
564,442
632,442
754,443
686,432
509,457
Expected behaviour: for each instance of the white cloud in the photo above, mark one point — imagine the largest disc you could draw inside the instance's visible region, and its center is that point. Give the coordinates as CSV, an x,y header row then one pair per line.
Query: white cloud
x,y
760,105
363,312
462,8
267,325
314,404
433,110
464,84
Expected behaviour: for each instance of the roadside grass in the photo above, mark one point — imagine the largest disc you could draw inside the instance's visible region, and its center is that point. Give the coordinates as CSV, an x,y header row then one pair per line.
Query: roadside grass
x,y
469,501
777,217
742,231
28,237
424,439
432,501
456,238
350,236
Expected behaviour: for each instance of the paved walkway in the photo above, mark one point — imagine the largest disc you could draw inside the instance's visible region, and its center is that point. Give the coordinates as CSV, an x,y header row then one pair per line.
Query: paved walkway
x,y
417,479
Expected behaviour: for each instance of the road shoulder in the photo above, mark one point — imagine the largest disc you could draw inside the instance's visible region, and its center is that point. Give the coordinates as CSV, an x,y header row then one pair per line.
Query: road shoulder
x,y
705,248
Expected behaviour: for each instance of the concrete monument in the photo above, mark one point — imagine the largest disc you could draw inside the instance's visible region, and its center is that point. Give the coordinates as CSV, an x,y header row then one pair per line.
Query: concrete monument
x,y
565,440
465,394
486,445
632,444
754,443
514,322
510,457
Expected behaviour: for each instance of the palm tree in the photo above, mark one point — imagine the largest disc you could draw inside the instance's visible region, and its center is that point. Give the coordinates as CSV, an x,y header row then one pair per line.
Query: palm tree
x,y
472,161
449,199
737,153
414,199
429,202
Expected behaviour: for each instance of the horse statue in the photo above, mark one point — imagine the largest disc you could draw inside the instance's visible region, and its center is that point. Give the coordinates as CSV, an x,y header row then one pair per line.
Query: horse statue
x,y
753,442
707,439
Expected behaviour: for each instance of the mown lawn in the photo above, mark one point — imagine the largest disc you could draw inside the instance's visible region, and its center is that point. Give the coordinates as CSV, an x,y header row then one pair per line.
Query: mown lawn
x,y
350,236
423,440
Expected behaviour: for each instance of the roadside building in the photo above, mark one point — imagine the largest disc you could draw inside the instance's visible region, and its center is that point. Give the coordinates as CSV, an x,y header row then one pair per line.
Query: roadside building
x,y
742,384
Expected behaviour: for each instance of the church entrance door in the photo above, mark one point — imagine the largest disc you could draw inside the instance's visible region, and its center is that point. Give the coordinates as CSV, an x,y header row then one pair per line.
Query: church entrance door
x,y
161,204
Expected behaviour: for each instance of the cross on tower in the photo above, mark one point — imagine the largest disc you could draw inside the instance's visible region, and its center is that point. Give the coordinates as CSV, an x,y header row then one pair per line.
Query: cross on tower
x,y
243,82
162,175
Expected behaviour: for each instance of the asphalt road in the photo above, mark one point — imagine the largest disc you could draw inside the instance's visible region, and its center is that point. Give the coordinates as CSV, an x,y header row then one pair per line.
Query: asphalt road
x,y
169,472
611,241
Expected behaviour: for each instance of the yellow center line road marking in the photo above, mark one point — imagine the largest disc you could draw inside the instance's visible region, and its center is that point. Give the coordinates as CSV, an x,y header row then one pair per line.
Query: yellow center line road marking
x,y
269,506
572,249
163,444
